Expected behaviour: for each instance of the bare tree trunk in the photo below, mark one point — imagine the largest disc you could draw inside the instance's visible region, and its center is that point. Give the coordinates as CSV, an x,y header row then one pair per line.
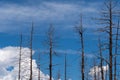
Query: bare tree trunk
x,y
107,17
95,74
106,75
110,42
39,74
82,45
65,68
39,77
98,76
101,60
79,30
50,66
50,42
31,39
116,52
19,73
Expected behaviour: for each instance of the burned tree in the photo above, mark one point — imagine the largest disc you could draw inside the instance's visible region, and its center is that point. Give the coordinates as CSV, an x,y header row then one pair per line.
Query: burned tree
x,y
116,51
31,51
95,70
101,60
65,65
51,40
19,73
107,20
79,30
50,34
39,77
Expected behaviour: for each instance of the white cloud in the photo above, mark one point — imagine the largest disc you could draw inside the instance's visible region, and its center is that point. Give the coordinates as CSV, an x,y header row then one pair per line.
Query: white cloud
x,y
96,70
9,57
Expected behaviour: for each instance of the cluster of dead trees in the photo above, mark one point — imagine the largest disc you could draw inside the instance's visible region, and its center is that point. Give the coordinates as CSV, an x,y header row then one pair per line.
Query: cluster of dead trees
x,y
108,42
109,33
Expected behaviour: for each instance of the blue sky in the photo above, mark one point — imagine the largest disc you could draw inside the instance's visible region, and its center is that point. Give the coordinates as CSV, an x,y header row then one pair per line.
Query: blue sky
x,y
16,17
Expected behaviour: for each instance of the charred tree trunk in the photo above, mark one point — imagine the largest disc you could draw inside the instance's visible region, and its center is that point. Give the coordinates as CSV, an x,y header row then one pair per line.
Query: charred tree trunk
x,y
95,73
107,19
65,68
39,73
50,42
79,30
110,42
50,65
101,60
19,73
116,52
31,40
39,77
82,45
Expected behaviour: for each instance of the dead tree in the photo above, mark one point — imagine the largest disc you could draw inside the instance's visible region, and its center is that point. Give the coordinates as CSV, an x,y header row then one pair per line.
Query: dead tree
x,y
39,74
39,77
110,40
116,52
65,65
79,30
101,60
19,73
50,49
31,51
51,43
95,73
107,19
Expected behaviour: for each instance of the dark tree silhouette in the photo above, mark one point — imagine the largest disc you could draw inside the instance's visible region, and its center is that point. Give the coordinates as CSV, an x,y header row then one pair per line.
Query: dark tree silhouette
x,y
107,19
101,60
65,65
39,77
51,38
19,73
79,30
31,51
116,51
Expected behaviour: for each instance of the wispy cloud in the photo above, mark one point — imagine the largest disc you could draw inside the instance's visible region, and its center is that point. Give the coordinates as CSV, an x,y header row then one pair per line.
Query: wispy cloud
x,y
15,16
67,51
46,11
